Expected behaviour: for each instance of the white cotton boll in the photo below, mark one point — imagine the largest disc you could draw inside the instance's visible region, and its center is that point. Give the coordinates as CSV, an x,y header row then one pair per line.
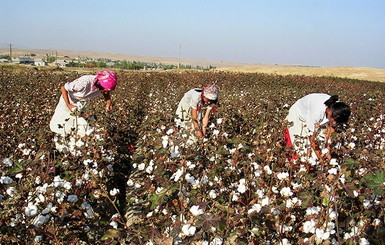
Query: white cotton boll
x,y
240,146
18,176
114,224
6,180
87,162
321,234
41,220
79,182
342,178
159,189
141,166
190,165
333,171
165,141
149,169
267,170
242,186
312,210
284,241
130,183
295,185
235,197
176,176
48,209
72,198
30,210
10,191
352,145
38,239
255,208
333,162
367,203
376,222
265,201
57,181
26,152
212,125
355,193
195,210
363,241
260,193
258,172
188,230
216,132
114,192
309,226
283,175
170,131
219,120
212,194
332,214
79,143
174,150
190,179
232,150
137,185
67,185
286,192
8,162
324,151
60,196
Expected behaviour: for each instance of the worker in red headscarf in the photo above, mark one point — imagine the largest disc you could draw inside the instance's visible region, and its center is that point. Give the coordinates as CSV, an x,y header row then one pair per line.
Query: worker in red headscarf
x,y
74,95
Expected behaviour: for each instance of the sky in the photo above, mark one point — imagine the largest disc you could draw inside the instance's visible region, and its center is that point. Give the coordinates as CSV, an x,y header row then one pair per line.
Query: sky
x,y
298,32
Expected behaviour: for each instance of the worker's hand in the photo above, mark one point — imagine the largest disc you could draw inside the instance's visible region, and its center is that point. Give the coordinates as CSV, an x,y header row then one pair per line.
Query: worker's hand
x,y
108,107
200,134
71,107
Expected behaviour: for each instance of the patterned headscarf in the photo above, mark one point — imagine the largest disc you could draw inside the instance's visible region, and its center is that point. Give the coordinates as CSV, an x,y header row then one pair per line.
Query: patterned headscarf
x,y
211,92
107,79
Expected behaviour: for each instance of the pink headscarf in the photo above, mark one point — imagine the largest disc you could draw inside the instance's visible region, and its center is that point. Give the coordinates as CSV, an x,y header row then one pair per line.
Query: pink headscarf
x,y
211,92
107,79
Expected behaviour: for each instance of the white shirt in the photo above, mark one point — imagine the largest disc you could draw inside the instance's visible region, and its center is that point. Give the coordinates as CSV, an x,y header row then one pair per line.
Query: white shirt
x,y
81,89
311,109
193,97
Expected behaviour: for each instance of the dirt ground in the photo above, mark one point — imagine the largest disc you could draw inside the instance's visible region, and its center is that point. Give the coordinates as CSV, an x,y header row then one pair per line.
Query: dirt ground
x,y
361,73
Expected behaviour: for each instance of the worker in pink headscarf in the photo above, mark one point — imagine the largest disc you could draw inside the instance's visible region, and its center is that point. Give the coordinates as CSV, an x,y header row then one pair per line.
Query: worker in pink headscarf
x,y
195,108
74,95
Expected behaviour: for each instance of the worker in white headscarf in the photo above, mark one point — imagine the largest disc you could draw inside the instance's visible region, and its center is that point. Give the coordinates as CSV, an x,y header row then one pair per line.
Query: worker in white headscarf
x,y
195,108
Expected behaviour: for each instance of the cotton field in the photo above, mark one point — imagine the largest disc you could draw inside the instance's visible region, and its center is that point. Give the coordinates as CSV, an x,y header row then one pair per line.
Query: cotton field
x,y
137,178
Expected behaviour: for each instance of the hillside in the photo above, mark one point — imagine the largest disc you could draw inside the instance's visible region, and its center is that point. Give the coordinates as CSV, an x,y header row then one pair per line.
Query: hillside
x,y
361,73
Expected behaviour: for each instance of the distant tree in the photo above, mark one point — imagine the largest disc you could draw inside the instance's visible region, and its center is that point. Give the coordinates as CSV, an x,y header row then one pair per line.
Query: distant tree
x,y
5,57
50,59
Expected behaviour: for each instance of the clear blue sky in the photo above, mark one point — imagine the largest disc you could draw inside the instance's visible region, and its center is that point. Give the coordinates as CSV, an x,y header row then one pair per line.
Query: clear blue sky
x,y
304,32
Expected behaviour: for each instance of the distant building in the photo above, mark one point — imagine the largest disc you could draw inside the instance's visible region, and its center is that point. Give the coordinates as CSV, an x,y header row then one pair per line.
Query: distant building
x,y
23,60
61,63
39,62
111,63
3,60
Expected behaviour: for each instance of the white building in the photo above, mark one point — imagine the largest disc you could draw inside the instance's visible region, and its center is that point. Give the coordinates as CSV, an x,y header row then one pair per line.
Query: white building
x,y
39,62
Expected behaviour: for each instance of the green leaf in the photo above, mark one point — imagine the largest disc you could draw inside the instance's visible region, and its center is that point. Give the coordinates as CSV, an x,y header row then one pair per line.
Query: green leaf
x,y
325,201
375,181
